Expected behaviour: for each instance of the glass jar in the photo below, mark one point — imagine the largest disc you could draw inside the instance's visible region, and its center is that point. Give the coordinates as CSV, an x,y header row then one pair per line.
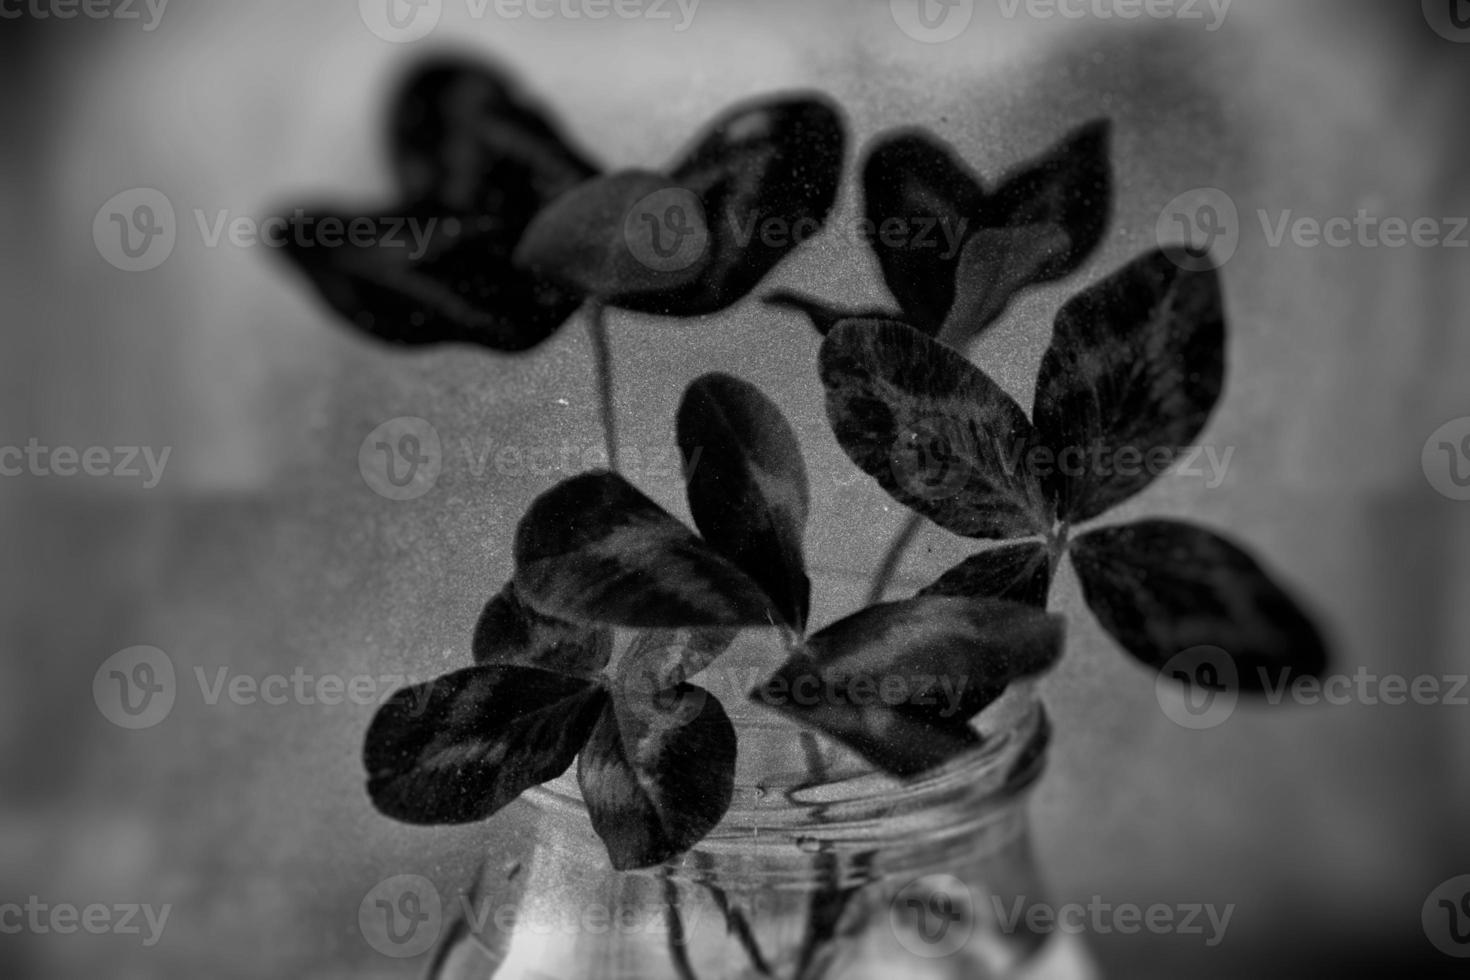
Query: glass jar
x,y
823,868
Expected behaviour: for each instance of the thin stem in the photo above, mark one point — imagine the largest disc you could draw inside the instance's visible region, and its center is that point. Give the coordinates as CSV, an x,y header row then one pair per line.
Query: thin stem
x,y
602,364
893,558
678,939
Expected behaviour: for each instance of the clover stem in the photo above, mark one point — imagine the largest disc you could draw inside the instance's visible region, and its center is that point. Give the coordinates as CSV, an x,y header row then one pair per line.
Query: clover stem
x,y
602,364
893,558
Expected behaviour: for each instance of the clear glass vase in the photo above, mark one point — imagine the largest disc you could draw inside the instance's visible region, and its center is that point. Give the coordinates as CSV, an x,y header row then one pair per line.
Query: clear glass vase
x,y
823,869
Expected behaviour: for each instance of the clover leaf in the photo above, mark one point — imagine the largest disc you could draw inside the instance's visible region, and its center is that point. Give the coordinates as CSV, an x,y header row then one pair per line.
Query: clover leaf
x,y
1135,369
899,683
964,253
502,228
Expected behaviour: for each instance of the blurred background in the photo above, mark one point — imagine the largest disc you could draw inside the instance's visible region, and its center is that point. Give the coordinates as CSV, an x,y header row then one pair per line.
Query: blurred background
x,y
257,548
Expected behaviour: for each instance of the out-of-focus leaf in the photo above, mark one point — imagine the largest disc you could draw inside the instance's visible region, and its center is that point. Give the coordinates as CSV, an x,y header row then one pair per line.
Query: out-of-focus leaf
x,y
748,487
465,141
593,549
899,683
1163,588
512,633
935,432
767,175
461,747
658,777
1133,373
425,278
592,240
1016,572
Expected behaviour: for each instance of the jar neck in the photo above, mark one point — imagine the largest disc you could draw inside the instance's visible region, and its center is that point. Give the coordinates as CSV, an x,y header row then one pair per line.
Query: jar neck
x,y
798,797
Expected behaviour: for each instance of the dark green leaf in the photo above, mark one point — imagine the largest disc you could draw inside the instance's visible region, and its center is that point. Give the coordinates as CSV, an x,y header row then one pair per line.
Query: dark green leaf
x,y
767,175
658,777
425,278
1134,371
995,265
511,632
935,432
899,683
1163,589
1017,572
915,181
748,487
461,747
593,549
465,141
596,240
1041,223
1070,187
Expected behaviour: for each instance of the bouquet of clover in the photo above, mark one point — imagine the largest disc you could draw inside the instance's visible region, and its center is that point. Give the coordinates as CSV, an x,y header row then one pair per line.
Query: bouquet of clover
x,y
527,233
